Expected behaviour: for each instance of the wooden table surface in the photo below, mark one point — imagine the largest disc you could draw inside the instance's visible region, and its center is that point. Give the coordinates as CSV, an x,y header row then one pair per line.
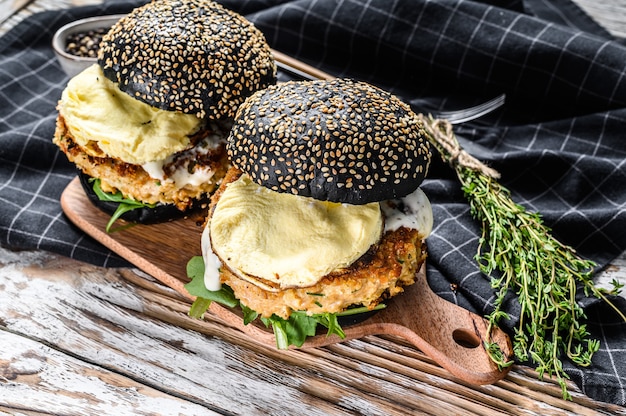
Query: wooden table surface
x,y
77,339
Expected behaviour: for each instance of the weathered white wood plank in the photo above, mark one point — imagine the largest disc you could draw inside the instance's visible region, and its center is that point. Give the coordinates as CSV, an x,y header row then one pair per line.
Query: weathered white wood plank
x,y
615,271
608,13
96,316
116,330
37,378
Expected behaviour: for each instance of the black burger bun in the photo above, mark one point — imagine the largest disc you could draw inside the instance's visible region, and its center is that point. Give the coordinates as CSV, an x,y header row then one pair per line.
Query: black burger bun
x,y
339,140
191,56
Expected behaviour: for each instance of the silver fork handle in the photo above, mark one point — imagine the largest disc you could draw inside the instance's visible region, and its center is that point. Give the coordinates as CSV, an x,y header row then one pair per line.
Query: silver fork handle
x,y
471,113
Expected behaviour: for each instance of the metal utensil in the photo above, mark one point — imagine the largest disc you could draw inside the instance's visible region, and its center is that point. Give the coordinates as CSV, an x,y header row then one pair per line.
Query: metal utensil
x,y
303,71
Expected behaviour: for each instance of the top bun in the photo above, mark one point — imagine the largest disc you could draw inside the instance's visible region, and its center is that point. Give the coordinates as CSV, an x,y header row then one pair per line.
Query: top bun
x,y
191,56
340,140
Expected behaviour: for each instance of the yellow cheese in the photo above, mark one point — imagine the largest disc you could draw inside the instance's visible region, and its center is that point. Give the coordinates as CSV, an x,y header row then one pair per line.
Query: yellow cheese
x,y
288,240
100,116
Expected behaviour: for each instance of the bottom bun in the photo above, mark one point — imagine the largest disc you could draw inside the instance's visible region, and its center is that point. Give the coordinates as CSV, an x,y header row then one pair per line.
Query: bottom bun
x,y
357,318
143,215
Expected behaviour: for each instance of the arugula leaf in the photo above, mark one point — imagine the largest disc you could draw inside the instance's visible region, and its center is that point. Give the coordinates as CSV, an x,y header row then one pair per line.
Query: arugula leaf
x,y
199,307
195,271
299,326
292,331
331,322
280,332
361,309
124,204
248,314
195,268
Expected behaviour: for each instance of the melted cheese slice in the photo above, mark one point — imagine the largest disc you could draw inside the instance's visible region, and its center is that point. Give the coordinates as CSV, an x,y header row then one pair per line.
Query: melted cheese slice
x,y
287,240
101,118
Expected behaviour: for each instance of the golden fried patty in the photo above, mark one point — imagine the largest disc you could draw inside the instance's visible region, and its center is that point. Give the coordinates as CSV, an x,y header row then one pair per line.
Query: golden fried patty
x,y
379,274
134,182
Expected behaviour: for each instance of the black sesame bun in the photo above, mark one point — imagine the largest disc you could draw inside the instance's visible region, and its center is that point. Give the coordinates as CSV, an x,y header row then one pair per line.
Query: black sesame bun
x,y
192,56
339,140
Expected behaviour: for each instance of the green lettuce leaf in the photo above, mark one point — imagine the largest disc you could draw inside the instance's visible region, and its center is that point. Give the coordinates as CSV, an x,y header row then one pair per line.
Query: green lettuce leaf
x,y
300,326
204,297
124,204
292,331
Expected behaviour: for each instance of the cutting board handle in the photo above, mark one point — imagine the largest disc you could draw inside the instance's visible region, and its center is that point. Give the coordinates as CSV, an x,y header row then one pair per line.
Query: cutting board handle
x,y
449,334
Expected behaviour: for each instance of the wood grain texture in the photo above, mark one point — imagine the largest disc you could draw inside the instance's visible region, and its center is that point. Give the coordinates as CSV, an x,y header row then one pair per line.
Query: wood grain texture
x,y
609,14
80,339
42,379
449,334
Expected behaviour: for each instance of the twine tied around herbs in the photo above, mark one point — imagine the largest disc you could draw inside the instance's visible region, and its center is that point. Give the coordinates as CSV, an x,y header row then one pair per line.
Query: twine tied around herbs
x,y
441,132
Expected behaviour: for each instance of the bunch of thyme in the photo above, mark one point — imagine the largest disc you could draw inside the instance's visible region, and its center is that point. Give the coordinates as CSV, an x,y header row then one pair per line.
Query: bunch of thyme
x,y
519,253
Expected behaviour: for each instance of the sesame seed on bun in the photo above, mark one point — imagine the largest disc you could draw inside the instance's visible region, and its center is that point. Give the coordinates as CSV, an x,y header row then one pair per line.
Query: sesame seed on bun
x,y
339,140
191,56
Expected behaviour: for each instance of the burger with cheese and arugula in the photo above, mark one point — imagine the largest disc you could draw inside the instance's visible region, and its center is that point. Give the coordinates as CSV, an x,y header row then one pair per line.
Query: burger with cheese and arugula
x,y
321,214
146,125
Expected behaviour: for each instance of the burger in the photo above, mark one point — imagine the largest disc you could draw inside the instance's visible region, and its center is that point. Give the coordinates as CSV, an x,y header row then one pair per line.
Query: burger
x,y
146,125
321,214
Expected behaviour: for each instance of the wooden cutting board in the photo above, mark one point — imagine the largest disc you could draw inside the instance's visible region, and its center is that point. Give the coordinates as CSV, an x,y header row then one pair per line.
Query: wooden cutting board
x,y
449,334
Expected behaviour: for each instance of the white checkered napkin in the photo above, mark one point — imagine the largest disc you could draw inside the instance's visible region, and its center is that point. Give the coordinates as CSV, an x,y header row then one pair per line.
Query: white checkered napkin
x,y
33,172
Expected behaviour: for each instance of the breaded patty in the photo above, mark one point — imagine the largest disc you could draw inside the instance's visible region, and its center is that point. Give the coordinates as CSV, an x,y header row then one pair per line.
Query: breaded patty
x,y
379,274
134,182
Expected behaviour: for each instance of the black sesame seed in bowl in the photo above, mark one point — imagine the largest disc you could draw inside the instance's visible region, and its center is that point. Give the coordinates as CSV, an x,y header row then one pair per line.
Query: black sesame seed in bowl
x,y
85,43
75,44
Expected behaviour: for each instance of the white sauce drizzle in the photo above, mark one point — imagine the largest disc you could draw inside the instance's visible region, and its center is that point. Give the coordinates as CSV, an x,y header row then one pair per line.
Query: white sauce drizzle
x,y
155,169
181,176
412,211
212,263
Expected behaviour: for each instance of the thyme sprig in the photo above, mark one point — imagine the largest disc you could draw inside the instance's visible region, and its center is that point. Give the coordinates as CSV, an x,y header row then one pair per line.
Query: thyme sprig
x,y
520,254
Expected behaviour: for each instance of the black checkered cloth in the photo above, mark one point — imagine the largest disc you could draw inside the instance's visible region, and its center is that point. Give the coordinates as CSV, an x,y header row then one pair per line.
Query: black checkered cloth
x,y
559,142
